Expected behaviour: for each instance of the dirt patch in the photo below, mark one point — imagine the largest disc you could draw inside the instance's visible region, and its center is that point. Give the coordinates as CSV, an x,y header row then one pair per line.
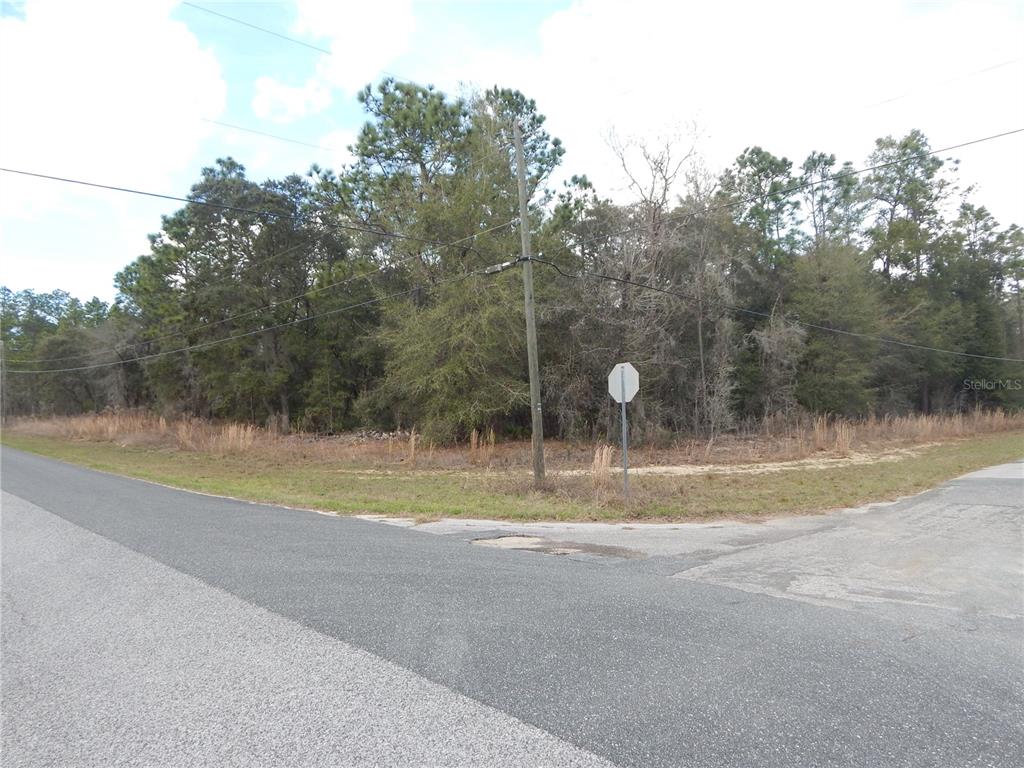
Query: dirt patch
x,y
764,467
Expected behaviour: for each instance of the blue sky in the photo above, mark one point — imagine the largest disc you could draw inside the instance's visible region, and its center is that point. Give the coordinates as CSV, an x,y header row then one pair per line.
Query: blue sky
x,y
246,55
122,92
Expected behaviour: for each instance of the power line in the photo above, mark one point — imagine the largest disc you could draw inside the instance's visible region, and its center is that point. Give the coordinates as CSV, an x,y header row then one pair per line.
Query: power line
x,y
381,233
328,52
215,342
293,40
202,326
496,151
271,305
265,134
807,184
259,29
786,191
947,81
207,284
254,212
729,204
98,353
866,336
400,78
491,152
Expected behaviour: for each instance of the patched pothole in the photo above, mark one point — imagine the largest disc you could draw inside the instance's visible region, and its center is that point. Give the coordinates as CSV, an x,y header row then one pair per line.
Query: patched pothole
x,y
548,547
513,542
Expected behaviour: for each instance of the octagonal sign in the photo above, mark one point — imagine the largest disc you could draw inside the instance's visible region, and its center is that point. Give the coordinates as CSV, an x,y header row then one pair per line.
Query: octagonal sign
x,y
623,382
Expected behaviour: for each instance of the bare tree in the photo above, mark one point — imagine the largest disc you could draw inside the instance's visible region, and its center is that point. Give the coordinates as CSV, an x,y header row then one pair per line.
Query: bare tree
x,y
781,345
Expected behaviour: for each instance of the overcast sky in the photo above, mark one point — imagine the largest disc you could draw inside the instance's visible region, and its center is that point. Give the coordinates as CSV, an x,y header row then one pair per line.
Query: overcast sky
x,y
124,93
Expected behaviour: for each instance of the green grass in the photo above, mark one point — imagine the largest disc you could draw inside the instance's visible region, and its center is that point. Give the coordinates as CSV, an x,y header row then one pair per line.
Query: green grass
x,y
429,494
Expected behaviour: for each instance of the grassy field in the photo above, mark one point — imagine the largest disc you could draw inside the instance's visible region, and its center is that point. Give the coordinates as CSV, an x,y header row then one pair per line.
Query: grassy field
x,y
311,479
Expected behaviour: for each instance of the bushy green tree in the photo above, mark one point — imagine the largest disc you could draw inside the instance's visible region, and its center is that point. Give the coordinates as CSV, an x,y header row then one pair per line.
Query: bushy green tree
x,y
352,296
833,287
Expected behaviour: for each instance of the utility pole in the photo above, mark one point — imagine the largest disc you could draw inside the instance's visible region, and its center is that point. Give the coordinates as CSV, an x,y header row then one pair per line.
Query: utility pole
x,y
3,384
531,322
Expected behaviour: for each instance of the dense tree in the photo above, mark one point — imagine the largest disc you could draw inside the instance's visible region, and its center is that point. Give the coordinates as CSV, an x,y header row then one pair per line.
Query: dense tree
x,y
834,204
441,170
907,191
833,288
353,296
55,331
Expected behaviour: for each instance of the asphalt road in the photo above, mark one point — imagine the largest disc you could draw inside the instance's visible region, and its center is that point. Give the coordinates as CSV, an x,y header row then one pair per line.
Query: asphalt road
x,y
147,626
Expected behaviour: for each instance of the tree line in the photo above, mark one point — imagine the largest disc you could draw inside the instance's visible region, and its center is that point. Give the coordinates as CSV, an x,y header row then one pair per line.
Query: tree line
x,y
362,296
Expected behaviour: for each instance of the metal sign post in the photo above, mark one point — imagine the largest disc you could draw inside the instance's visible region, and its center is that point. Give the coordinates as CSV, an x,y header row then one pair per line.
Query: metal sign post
x,y
625,439
623,384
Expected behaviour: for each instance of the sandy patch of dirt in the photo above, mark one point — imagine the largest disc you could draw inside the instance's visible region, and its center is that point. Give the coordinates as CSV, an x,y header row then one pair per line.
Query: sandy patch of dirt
x,y
854,459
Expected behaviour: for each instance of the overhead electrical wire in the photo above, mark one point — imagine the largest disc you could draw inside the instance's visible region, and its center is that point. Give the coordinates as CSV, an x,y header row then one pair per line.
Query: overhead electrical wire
x,y
200,326
380,233
296,41
247,313
789,190
786,191
279,36
647,286
496,151
272,214
254,212
804,185
729,204
255,331
383,233
232,126
947,81
328,52
318,49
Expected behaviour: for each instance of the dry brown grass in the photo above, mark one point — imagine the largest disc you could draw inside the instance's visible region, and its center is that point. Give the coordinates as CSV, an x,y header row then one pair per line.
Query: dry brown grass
x,y
809,465
808,437
771,441
604,488
601,468
481,448
140,429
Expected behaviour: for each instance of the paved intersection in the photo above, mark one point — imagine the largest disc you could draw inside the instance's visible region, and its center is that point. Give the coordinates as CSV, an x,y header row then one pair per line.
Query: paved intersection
x,y
147,626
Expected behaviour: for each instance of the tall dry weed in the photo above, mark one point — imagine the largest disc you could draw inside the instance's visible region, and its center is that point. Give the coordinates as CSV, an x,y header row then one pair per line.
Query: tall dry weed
x,y
844,438
769,440
601,466
412,447
820,433
491,442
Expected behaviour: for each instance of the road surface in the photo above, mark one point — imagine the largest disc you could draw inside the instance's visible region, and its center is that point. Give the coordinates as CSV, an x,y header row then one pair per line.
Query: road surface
x,y
147,626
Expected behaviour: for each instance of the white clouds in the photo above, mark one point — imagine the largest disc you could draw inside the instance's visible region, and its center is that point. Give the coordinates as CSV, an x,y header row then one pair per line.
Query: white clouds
x,y
116,92
113,93
338,143
282,103
790,76
363,39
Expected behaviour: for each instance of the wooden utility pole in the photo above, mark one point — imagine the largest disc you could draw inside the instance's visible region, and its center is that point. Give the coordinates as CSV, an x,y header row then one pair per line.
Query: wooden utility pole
x,y
531,322
3,385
